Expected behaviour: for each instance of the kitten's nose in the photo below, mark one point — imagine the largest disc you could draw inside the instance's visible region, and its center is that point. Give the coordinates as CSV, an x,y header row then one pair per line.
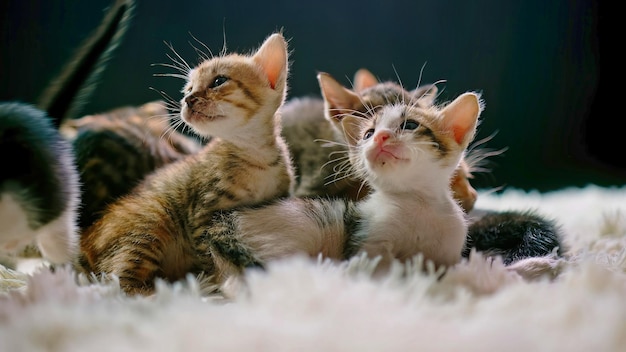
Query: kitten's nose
x,y
381,136
190,100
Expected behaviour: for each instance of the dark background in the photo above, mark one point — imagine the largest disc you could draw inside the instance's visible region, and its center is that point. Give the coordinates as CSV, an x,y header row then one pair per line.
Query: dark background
x,y
537,63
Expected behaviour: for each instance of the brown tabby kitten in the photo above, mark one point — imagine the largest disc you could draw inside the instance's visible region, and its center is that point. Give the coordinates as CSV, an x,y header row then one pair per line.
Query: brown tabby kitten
x,y
407,153
315,138
159,230
116,149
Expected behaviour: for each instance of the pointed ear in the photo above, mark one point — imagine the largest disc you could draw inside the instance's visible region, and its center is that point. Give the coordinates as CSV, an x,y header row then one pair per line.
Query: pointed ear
x,y
272,56
461,117
351,127
425,95
364,79
338,100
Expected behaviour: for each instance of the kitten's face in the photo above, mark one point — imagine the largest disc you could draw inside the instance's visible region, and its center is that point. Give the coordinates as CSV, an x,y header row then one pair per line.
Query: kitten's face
x,y
223,94
401,146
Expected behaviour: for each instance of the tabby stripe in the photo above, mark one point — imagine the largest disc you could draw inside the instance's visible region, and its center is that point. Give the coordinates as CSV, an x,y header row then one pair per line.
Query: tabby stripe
x,y
442,147
352,220
248,93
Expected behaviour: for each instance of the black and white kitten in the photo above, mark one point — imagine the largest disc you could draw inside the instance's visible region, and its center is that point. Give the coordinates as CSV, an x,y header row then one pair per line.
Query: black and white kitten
x,y
39,185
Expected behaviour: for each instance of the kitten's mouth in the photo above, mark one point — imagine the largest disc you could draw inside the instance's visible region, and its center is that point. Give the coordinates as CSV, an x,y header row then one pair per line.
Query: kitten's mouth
x,y
383,157
194,115
390,151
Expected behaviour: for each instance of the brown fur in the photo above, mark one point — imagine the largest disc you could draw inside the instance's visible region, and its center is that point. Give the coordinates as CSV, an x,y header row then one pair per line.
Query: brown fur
x,y
159,230
116,149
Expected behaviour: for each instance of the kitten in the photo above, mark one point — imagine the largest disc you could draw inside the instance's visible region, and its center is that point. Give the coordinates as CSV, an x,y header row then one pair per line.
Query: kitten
x,y
315,138
407,153
159,229
39,185
412,153
116,149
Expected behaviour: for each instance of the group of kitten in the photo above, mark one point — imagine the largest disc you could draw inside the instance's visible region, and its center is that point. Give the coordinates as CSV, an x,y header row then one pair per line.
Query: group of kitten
x,y
127,194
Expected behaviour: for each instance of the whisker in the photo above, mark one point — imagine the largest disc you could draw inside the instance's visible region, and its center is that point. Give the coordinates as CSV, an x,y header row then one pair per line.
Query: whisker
x,y
175,75
363,183
166,96
224,50
182,61
210,56
419,79
330,143
182,70
338,179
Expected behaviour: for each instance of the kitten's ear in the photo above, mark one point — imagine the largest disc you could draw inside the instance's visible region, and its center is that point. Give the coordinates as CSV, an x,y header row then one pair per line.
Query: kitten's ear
x,y
338,100
364,79
461,117
351,126
272,56
425,95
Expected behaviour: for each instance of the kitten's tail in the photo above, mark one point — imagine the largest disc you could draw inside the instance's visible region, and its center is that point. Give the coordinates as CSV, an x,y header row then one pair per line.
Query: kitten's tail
x,y
68,93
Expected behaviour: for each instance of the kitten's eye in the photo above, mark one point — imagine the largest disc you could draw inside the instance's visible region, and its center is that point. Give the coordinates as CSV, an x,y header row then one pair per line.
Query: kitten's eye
x,y
368,134
409,125
218,81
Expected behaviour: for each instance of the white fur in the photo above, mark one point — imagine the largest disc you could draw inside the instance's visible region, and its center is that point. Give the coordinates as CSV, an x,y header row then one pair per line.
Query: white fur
x,y
412,209
15,233
57,240
306,306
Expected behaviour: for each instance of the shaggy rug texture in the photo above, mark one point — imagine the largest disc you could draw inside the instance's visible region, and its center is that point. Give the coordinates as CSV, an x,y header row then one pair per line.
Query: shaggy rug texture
x,y
308,305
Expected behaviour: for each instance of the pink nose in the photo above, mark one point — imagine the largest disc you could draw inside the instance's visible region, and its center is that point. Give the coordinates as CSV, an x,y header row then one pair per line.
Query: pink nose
x,y
381,136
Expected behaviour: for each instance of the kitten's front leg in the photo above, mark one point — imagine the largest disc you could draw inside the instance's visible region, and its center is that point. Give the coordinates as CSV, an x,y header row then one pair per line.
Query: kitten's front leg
x,y
136,256
219,252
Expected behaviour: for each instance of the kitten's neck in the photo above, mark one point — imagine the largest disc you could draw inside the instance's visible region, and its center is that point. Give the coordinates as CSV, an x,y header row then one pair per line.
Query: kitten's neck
x,y
424,196
432,184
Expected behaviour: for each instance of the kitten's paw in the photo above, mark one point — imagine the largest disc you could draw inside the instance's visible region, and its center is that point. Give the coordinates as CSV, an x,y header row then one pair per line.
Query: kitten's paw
x,y
538,267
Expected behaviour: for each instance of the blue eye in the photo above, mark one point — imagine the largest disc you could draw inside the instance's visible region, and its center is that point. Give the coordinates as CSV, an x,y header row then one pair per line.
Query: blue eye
x,y
368,134
409,125
218,81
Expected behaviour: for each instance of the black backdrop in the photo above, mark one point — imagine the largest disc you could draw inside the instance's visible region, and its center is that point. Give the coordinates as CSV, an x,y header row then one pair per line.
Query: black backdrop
x,y
537,64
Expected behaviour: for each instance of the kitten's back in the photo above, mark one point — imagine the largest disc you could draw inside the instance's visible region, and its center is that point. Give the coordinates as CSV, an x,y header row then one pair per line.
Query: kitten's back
x,y
117,149
39,186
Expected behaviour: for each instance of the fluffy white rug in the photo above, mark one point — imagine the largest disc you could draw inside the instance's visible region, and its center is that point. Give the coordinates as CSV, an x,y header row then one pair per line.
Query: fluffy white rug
x,y
302,305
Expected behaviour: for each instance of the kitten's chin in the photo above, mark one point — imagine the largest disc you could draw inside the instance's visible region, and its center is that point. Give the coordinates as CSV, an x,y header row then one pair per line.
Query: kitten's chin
x,y
385,160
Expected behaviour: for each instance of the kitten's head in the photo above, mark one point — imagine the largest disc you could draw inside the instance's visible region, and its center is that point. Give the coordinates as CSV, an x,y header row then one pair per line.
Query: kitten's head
x,y
406,146
367,94
234,95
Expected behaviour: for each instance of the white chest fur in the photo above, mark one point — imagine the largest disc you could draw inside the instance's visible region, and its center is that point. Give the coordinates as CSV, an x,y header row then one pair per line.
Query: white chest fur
x,y
402,227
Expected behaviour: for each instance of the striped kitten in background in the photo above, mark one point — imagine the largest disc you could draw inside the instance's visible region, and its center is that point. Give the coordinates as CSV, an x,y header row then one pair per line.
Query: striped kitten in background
x,y
159,229
117,149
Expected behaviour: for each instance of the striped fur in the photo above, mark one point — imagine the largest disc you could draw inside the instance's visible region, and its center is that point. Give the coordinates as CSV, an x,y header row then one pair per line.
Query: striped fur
x,y
116,149
158,231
